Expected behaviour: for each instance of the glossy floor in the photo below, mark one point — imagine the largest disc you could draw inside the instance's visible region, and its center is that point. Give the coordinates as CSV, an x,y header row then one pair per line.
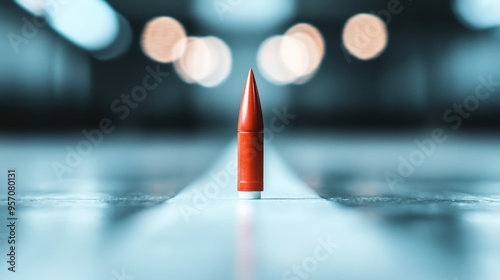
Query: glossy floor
x,y
165,208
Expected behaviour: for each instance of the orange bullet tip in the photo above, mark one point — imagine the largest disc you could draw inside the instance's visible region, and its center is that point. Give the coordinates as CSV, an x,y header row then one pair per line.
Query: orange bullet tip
x,y
250,118
250,142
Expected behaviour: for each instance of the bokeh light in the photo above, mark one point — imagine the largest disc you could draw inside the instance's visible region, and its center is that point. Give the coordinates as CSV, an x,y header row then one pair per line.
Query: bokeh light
x,y
365,36
120,45
182,73
221,62
164,39
90,24
197,59
33,6
293,57
312,38
203,60
206,61
478,14
243,16
270,62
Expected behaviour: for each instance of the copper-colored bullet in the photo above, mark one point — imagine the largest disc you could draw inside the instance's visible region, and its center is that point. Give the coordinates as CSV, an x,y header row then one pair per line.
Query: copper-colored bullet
x,y
250,142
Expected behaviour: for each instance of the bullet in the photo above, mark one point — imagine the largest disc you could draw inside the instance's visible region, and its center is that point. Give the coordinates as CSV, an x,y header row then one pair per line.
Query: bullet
x,y
250,143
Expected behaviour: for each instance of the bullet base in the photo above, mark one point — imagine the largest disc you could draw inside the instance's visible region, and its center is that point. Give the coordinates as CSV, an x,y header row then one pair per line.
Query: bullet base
x,y
249,195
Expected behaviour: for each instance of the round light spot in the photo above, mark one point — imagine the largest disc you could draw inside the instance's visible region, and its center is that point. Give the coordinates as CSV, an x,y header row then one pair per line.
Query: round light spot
x,y
33,6
91,25
270,62
221,62
181,73
365,36
197,63
295,55
163,39
314,42
478,14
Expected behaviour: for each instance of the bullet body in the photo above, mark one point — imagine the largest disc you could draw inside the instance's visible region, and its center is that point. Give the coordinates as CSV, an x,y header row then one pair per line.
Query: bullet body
x,y
250,161
250,142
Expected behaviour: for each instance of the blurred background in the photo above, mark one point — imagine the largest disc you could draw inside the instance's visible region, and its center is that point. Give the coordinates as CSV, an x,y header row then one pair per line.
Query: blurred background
x,y
119,115
63,63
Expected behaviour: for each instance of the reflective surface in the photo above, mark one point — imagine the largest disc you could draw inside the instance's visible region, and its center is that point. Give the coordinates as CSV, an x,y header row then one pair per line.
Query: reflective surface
x,y
326,212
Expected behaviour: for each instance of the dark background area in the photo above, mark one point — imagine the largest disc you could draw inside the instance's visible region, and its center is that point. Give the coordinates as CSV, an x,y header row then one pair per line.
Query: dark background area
x,y
361,164
431,62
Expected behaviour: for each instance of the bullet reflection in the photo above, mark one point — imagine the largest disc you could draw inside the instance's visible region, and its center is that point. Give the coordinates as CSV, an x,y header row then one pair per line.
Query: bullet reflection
x,y
245,265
